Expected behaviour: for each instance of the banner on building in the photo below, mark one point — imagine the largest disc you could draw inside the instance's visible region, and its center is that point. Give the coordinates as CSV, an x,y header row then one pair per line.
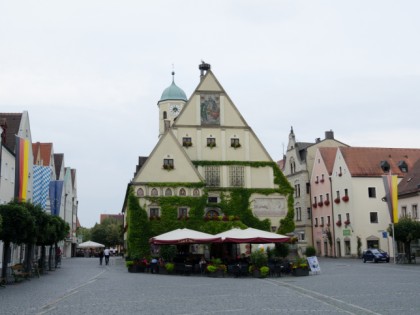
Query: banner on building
x,y
56,190
41,185
21,168
391,195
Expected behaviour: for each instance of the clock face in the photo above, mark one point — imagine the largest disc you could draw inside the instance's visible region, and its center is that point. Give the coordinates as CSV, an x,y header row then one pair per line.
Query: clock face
x,y
174,109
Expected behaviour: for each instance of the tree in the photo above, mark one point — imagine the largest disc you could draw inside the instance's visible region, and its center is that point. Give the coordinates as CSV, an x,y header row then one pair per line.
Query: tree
x,y
109,233
17,226
407,230
85,233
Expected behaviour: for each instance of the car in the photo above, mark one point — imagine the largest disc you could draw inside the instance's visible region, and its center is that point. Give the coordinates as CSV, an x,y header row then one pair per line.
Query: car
x,y
375,255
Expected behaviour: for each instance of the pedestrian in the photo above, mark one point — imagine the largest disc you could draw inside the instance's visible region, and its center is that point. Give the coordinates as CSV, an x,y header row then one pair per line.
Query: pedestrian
x,y
57,257
101,256
106,254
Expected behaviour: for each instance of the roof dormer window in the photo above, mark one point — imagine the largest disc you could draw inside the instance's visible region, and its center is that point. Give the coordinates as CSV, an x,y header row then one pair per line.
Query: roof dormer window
x,y
403,166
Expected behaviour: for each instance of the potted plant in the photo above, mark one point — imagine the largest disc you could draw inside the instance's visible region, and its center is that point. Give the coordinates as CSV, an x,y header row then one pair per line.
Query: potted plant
x,y
337,200
300,267
320,204
314,205
327,202
211,145
264,271
169,267
347,222
345,198
258,259
338,223
129,264
216,268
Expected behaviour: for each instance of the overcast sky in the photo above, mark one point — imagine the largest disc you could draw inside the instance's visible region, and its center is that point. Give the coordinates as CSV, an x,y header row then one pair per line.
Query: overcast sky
x,y
90,74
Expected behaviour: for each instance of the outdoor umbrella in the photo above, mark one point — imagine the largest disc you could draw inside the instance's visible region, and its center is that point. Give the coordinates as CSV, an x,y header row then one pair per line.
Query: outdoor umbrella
x,y
251,235
184,236
90,244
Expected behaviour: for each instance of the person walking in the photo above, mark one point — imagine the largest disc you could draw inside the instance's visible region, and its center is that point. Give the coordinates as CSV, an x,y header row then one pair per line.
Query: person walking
x,y
106,254
57,257
101,256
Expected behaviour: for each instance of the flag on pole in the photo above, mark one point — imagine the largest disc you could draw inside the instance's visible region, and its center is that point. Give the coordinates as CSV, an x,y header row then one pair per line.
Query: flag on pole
x,y
391,195
41,185
21,168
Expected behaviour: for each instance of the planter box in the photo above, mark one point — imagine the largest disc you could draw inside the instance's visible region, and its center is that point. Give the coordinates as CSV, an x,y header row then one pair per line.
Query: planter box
x,y
217,274
299,272
136,269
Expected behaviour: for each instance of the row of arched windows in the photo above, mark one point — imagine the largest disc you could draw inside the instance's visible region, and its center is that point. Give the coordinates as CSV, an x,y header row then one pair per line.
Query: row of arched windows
x,y
168,192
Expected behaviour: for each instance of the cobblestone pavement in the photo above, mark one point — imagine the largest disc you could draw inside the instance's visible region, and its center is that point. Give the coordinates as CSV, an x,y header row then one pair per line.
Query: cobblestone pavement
x,y
344,286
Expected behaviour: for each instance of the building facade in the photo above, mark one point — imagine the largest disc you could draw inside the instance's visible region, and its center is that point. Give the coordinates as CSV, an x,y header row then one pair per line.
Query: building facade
x,y
208,153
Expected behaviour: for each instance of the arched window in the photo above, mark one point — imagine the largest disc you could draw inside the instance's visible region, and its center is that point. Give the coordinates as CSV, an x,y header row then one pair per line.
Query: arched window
x,y
154,192
196,192
140,192
168,192
182,192
165,115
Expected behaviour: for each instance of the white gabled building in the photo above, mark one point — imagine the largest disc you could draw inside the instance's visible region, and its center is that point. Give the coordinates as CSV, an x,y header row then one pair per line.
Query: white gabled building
x,y
357,190
207,150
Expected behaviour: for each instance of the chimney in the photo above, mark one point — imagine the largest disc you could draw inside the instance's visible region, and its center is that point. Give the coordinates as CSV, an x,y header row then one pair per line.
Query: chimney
x,y
203,67
3,125
317,140
329,134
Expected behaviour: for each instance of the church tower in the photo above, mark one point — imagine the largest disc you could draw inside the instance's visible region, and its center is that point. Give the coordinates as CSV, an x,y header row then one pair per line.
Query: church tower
x,y
170,105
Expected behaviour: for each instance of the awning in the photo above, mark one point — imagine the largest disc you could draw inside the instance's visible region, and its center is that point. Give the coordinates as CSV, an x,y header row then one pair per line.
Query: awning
x,y
184,236
251,235
90,244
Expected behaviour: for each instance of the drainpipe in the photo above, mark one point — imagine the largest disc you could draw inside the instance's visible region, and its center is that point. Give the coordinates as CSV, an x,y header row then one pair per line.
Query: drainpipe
x,y
333,219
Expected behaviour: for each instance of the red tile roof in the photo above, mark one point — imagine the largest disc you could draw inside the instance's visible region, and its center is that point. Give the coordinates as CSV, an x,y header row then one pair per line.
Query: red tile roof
x,y
367,161
328,155
42,153
411,182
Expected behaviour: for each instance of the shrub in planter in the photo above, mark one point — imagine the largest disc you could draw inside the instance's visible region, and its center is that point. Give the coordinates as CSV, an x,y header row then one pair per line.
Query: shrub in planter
x,y
310,251
264,270
169,267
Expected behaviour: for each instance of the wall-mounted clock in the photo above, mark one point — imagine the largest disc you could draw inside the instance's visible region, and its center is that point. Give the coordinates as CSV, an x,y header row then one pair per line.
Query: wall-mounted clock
x,y
174,109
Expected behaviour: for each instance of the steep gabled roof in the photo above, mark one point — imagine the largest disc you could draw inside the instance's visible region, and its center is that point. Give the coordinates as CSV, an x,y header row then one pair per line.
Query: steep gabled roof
x,y
58,161
366,162
13,121
42,153
328,155
411,181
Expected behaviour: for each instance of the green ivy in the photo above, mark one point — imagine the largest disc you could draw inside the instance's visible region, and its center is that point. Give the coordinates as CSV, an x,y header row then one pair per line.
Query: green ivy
x,y
234,203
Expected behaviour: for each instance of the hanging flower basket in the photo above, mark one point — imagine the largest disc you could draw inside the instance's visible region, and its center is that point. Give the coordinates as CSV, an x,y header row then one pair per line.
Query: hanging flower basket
x,y
338,223
347,222
327,202
320,204
345,198
322,180
314,205
337,200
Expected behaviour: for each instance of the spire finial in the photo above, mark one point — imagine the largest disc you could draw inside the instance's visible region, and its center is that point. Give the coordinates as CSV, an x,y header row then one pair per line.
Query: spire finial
x,y
173,73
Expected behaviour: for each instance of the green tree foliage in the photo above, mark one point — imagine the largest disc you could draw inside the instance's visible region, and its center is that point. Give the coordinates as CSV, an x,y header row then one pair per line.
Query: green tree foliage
x,y
17,226
138,233
407,230
85,233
